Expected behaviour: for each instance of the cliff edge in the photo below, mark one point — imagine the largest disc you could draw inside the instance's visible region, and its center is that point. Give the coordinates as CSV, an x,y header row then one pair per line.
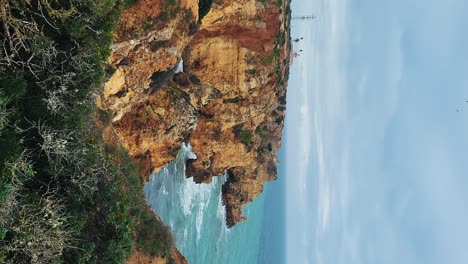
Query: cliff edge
x,y
228,102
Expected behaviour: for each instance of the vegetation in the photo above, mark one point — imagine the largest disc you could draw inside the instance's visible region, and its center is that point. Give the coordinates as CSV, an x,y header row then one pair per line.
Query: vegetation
x,y
234,100
260,131
129,3
170,2
244,135
251,71
279,120
268,60
194,79
64,196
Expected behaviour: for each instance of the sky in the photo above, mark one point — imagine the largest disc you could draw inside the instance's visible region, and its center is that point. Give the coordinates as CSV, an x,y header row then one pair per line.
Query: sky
x,y
374,148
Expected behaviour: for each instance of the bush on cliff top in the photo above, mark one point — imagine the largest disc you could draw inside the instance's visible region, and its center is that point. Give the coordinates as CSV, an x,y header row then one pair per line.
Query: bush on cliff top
x,y
63,197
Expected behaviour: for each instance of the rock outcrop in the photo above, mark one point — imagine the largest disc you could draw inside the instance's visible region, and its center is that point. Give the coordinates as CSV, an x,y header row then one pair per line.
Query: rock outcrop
x,y
228,103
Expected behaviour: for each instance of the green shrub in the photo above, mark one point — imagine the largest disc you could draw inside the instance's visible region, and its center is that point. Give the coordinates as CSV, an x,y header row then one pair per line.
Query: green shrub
x,y
5,191
268,60
62,193
164,16
170,2
251,71
153,236
129,3
260,131
234,100
194,79
244,135
279,120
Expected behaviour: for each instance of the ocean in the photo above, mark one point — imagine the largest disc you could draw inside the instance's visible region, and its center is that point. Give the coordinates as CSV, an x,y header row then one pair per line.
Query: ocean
x,y
196,216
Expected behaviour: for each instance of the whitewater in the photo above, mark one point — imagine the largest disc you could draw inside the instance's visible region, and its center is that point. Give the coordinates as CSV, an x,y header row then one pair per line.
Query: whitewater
x,y
196,215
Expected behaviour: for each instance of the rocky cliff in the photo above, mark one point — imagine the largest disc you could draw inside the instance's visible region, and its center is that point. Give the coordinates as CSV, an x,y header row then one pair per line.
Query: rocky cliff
x,y
138,257
228,103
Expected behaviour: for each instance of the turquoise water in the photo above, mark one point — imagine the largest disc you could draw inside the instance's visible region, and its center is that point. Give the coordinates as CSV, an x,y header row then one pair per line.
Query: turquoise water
x,y
196,216
272,238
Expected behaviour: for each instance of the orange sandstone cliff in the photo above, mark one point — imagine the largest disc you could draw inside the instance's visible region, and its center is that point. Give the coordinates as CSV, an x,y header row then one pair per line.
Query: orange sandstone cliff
x,y
228,103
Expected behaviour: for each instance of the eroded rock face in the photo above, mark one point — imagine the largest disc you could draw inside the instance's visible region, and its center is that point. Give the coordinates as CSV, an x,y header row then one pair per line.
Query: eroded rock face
x,y
150,38
228,104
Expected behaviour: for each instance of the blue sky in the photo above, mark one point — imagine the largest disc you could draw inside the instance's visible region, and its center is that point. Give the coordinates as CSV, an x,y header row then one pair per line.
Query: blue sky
x,y
375,152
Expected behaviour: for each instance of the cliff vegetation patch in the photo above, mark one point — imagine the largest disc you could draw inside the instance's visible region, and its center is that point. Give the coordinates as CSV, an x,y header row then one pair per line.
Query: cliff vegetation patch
x,y
244,135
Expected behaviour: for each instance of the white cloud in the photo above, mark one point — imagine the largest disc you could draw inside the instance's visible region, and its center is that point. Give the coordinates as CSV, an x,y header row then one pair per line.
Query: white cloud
x,y
356,215
323,202
324,206
334,133
304,110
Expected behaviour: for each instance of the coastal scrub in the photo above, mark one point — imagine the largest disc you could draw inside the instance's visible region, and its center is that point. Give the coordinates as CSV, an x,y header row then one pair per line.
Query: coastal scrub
x,y
64,196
